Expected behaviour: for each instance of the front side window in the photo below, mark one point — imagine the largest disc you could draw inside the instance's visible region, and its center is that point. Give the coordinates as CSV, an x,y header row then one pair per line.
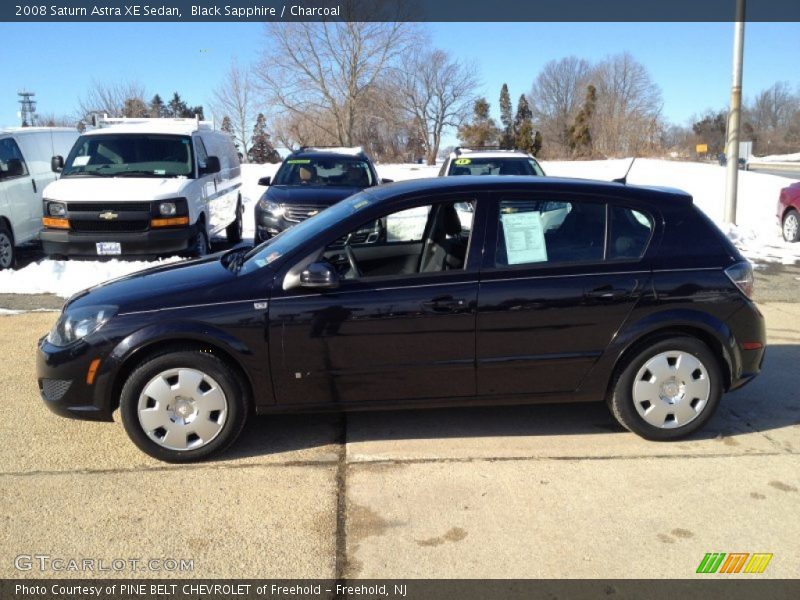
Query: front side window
x,y
546,231
12,164
137,155
202,155
424,239
325,171
494,166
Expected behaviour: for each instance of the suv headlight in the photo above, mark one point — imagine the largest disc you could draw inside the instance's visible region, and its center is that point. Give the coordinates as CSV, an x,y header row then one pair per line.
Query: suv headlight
x,y
270,207
76,324
56,209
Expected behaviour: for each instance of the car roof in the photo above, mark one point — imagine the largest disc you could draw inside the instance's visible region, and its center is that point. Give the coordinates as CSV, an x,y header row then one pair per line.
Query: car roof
x,y
328,152
490,183
467,153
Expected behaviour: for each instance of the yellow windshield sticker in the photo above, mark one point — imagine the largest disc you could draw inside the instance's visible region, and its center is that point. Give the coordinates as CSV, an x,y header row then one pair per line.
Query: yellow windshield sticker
x,y
463,161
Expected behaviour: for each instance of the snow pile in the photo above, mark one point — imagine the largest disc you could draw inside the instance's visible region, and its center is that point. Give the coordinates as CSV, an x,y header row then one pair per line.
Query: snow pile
x,y
65,277
777,158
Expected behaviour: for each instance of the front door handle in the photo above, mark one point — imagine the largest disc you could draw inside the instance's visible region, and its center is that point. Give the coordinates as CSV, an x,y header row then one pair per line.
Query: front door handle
x,y
607,293
33,183
445,304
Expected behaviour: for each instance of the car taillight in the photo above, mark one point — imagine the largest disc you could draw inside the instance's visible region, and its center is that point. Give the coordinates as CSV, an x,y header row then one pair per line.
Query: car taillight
x,y
742,275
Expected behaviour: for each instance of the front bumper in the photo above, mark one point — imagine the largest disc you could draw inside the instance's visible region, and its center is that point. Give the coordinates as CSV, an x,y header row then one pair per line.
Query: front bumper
x,y
151,242
62,378
268,225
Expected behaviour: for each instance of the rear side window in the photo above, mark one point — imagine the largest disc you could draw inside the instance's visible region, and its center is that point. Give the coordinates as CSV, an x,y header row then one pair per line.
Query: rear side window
x,y
629,233
12,164
541,231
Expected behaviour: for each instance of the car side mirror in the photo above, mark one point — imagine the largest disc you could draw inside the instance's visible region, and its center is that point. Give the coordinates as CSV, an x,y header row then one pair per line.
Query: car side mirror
x,y
57,163
384,180
212,166
265,181
319,275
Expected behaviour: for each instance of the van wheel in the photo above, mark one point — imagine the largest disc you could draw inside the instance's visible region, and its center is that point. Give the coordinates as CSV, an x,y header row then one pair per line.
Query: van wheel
x,y
183,406
669,390
7,251
201,246
235,229
791,226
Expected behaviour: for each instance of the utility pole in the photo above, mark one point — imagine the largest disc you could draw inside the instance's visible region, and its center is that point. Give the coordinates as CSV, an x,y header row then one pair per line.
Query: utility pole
x,y
734,117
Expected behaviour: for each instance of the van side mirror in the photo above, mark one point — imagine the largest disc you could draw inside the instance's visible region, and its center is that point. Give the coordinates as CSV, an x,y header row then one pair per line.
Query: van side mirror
x,y
265,181
212,166
384,180
319,275
57,164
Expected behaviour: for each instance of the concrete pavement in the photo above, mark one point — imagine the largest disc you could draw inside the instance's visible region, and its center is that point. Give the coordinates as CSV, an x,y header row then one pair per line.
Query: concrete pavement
x,y
537,491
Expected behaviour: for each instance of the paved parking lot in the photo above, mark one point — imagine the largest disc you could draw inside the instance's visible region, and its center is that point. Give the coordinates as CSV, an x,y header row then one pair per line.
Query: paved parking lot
x,y
539,491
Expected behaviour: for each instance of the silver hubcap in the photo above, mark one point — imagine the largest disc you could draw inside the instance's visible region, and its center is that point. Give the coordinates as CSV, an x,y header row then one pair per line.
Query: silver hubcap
x,y
671,389
6,251
790,228
182,409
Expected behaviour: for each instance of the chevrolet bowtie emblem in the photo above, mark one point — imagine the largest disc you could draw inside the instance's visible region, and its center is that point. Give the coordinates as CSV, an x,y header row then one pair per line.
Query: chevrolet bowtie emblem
x,y
108,215
311,213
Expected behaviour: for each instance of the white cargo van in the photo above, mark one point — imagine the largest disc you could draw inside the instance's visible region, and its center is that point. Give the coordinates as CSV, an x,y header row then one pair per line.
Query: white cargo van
x,y
24,172
144,187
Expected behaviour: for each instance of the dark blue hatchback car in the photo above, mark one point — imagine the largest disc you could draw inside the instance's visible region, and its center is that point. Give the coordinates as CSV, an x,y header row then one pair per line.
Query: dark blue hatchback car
x,y
475,290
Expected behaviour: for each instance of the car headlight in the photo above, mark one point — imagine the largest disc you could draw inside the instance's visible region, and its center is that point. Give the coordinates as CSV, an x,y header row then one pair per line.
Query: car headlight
x,y
270,207
167,209
56,209
76,324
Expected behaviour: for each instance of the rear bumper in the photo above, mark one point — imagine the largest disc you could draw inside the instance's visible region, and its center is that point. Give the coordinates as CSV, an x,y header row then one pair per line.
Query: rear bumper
x,y
748,327
150,242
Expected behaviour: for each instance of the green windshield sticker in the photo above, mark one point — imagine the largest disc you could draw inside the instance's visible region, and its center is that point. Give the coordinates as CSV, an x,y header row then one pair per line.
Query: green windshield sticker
x,y
463,161
298,161
360,204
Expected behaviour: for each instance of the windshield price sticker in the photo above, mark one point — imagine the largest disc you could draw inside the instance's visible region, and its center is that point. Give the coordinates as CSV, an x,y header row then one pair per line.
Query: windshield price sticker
x,y
298,161
463,161
524,238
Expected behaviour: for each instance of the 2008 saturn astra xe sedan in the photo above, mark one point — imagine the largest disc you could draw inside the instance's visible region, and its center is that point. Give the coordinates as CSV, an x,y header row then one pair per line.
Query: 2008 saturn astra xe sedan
x,y
473,290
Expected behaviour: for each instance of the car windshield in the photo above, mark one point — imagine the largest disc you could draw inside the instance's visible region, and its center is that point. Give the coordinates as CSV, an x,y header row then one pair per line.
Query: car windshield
x,y
142,155
325,171
289,239
494,166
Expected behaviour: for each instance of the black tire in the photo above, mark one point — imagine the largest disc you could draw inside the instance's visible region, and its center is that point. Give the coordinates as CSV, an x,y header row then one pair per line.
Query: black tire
x,y
200,245
788,235
235,229
233,416
8,253
622,404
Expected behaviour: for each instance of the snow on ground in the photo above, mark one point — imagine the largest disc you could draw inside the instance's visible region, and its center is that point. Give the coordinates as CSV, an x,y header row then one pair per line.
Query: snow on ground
x,y
777,158
757,234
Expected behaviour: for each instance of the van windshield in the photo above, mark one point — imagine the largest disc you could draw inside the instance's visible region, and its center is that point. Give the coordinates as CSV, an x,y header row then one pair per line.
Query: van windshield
x,y
139,155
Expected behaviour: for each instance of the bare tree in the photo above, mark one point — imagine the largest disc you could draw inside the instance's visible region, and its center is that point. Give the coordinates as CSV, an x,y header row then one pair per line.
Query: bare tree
x,y
628,108
326,69
774,107
235,98
437,92
110,98
555,99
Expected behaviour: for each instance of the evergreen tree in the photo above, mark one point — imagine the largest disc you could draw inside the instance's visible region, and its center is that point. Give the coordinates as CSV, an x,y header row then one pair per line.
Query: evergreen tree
x,y
157,108
507,135
580,134
261,150
537,143
227,127
523,127
481,131
176,107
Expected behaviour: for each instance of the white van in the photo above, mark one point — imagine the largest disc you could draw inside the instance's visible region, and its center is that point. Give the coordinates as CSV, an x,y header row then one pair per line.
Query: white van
x,y
144,187
24,172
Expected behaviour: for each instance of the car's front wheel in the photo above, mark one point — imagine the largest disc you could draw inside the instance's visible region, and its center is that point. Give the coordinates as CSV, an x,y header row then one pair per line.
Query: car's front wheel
x,y
7,254
791,226
667,390
183,406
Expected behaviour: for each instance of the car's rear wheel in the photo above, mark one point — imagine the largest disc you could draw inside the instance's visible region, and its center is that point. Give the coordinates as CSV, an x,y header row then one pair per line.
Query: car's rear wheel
x,y
235,229
667,390
791,226
7,252
183,406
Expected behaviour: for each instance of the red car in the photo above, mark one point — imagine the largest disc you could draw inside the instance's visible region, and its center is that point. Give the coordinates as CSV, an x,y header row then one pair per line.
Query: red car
x,y
789,212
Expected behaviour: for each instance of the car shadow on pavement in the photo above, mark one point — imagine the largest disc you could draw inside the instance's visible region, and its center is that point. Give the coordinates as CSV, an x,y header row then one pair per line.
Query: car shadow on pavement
x,y
770,402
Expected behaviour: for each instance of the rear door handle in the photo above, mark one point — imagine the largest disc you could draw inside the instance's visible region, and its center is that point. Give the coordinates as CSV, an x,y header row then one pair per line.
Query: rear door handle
x,y
33,183
607,293
445,304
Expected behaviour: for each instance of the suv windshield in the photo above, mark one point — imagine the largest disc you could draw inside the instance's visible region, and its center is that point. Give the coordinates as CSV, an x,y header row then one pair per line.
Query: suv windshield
x,y
142,155
494,166
327,171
